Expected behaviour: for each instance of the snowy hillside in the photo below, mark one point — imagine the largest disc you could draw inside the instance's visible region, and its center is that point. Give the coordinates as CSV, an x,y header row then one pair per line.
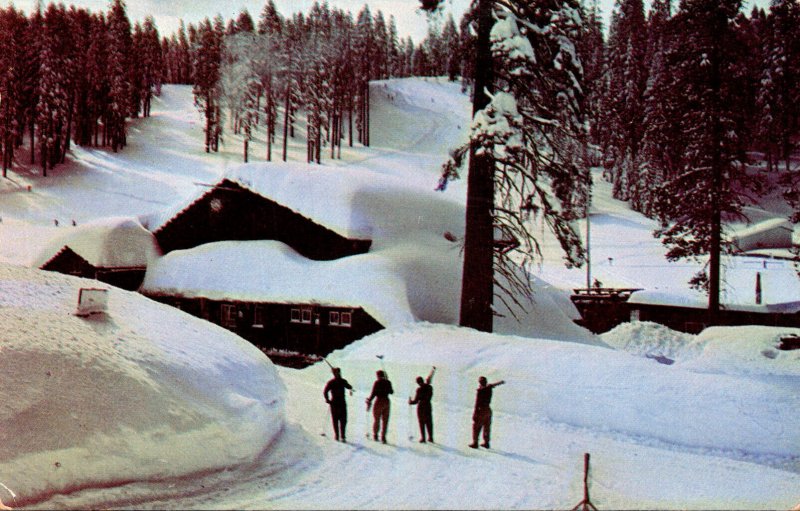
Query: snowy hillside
x,y
147,407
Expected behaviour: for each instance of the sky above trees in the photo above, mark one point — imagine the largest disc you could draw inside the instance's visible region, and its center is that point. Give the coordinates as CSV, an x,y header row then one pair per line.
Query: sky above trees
x,y
410,21
168,13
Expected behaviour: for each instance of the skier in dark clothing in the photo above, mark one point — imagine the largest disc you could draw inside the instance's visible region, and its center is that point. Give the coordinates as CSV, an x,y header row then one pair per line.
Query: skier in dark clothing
x,y
482,416
423,401
380,393
334,396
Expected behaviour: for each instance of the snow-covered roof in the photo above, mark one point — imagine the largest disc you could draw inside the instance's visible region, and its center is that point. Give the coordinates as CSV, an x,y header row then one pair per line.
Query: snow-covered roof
x,y
116,242
399,284
697,300
270,271
772,233
338,198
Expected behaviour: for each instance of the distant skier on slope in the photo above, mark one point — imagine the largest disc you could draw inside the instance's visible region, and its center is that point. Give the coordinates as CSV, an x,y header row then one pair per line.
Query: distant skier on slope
x,y
423,401
482,416
334,394
380,393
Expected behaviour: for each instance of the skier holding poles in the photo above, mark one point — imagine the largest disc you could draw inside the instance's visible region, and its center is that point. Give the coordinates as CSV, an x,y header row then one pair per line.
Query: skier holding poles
x,y
334,394
423,401
482,416
380,393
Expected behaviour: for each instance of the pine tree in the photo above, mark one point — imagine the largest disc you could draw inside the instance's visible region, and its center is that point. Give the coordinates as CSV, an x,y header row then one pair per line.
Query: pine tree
x,y
364,41
206,77
53,95
13,27
627,79
780,82
99,82
119,69
525,150
591,49
452,44
270,21
710,181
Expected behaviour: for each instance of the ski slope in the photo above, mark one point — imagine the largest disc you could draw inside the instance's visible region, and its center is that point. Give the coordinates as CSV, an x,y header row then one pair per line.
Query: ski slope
x,y
714,430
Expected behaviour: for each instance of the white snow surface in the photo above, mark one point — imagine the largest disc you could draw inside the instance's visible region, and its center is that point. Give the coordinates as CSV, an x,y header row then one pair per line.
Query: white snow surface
x,y
147,407
118,397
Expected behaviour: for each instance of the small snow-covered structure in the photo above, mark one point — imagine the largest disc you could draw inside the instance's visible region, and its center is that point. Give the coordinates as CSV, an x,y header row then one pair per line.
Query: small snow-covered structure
x,y
293,203
769,234
139,394
687,311
113,250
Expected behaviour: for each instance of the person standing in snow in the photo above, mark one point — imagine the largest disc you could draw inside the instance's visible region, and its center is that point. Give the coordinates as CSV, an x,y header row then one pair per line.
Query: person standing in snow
x,y
482,416
380,393
334,396
423,401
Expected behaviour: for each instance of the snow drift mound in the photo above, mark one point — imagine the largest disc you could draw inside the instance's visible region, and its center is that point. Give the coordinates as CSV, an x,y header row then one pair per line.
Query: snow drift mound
x,y
749,350
140,392
648,339
736,350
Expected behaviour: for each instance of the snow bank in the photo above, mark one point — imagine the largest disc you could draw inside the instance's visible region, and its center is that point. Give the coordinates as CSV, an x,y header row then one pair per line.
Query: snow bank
x,y
740,350
141,392
746,350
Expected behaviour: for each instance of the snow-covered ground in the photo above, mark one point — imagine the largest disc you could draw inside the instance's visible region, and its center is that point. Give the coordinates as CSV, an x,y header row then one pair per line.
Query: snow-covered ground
x,y
144,406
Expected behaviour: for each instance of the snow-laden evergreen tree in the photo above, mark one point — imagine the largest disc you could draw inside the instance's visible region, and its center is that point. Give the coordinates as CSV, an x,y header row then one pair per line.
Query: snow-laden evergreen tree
x,y
710,183
83,22
364,41
77,87
13,28
291,73
136,63
532,132
28,69
627,79
150,64
206,77
452,43
778,96
663,139
99,82
380,48
270,21
591,49
393,44
53,96
239,84
119,41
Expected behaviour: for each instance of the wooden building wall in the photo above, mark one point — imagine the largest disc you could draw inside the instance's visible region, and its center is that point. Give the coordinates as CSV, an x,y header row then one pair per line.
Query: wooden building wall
x,y
301,328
